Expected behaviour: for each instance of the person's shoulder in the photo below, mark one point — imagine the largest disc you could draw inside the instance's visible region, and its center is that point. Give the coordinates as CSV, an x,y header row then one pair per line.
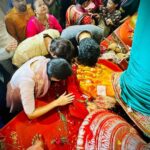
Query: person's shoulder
x,y
90,26
50,16
10,13
30,10
29,7
33,19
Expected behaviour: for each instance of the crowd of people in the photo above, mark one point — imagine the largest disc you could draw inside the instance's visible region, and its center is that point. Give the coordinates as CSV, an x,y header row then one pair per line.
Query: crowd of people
x,y
38,48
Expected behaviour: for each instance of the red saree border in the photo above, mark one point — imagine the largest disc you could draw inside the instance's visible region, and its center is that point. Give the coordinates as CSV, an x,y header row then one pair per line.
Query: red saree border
x,y
141,121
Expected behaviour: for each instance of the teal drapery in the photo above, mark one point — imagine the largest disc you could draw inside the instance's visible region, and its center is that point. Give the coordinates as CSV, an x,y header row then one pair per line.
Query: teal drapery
x,y
135,81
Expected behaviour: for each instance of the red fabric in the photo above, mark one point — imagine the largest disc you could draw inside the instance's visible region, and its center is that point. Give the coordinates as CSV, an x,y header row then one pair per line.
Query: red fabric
x,y
110,65
74,15
78,108
126,32
18,133
50,126
107,131
86,20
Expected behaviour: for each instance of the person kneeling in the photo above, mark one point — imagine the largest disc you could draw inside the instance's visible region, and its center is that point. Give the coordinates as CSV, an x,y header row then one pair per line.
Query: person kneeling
x,y
32,80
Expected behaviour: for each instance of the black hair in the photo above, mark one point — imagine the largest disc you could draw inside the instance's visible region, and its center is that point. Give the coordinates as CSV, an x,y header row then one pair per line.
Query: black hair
x,y
62,48
88,52
115,1
58,68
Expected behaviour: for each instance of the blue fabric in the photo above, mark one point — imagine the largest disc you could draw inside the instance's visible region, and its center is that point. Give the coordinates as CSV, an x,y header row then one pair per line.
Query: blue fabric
x,y
135,81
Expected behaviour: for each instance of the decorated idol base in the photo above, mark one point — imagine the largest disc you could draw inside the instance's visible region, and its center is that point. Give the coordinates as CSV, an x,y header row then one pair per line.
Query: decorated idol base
x,y
104,130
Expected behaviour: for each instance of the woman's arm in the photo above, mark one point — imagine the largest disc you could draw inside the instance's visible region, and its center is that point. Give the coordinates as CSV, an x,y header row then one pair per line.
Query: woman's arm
x,y
28,100
61,101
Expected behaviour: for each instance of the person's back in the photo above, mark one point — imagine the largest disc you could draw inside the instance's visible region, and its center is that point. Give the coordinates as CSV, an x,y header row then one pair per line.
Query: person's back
x,y
71,32
17,18
24,79
32,80
32,47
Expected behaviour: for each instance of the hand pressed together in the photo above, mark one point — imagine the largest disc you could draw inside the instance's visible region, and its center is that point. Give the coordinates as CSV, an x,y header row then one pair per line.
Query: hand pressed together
x,y
65,99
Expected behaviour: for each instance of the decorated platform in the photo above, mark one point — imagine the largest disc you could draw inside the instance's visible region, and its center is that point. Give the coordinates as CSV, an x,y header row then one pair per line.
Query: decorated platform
x,y
59,127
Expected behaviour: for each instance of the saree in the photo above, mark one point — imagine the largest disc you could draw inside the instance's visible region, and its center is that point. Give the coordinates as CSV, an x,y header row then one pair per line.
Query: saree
x,y
104,130
132,87
77,15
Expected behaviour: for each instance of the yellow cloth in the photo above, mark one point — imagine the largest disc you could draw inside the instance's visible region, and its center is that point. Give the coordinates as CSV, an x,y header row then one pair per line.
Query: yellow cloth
x,y
95,81
16,22
32,47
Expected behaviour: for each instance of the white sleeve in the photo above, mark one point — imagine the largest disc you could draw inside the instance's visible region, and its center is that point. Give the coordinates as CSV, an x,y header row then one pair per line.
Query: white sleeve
x,y
27,95
4,54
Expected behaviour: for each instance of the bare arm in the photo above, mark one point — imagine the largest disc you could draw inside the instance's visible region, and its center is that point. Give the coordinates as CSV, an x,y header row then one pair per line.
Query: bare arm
x,y
61,101
27,86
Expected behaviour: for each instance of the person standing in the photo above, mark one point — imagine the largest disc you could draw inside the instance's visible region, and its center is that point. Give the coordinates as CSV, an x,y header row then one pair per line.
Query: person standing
x,y
42,21
132,87
16,19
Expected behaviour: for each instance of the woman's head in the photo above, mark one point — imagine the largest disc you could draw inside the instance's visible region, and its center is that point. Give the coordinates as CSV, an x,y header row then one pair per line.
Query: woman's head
x,y
88,52
62,48
58,69
40,8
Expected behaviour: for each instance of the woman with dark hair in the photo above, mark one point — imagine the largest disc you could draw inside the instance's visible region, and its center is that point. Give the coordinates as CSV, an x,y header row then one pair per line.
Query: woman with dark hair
x,y
62,48
42,44
42,20
32,80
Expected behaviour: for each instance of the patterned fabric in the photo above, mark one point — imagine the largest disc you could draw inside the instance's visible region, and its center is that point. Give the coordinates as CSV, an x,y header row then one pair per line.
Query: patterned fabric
x,y
103,130
79,106
95,81
76,14
142,121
